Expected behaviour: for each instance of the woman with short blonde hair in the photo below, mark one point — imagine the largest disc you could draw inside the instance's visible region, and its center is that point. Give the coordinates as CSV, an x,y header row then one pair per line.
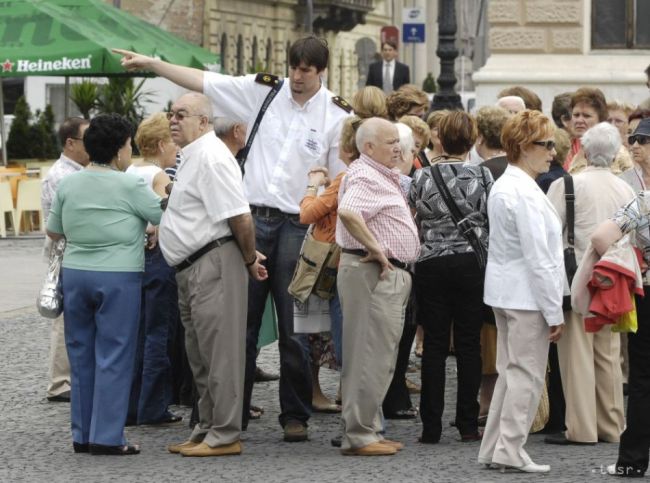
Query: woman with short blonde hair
x,y
369,102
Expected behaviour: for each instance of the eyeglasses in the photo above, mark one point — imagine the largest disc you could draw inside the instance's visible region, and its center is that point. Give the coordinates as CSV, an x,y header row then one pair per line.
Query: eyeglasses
x,y
638,138
180,115
76,138
550,145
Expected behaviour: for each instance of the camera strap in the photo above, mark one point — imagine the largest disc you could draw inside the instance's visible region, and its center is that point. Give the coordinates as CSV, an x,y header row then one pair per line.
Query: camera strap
x,y
242,155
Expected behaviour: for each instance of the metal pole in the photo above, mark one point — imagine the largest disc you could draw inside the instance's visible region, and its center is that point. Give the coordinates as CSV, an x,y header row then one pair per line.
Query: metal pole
x,y
66,98
3,138
446,98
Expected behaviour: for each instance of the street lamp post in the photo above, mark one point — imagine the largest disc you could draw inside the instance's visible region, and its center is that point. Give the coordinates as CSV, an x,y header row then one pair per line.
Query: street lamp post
x,y
446,97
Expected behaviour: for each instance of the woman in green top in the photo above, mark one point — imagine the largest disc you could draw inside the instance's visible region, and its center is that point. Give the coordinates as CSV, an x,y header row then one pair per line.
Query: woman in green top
x,y
102,212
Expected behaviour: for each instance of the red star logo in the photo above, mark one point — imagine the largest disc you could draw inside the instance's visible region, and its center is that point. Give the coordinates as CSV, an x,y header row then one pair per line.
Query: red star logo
x,y
7,66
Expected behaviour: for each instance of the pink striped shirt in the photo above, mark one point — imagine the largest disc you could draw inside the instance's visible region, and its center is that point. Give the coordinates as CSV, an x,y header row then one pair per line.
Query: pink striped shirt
x,y
372,191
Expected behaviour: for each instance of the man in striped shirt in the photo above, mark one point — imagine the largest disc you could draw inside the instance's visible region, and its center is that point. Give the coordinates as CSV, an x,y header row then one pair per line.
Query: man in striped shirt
x,y
379,239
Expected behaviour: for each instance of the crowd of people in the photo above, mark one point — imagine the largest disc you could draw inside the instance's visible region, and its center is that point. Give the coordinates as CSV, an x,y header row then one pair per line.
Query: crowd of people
x,y
468,228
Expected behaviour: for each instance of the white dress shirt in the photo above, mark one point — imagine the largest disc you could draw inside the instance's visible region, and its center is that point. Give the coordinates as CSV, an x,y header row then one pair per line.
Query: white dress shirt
x,y
525,269
291,139
208,190
391,70
59,170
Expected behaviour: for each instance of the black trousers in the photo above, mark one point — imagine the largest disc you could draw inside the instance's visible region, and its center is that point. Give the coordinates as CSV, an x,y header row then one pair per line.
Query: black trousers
x,y
635,440
450,288
398,397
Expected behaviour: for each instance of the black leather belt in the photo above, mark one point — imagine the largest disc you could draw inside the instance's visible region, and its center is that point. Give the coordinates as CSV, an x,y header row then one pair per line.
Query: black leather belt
x,y
202,251
268,212
363,253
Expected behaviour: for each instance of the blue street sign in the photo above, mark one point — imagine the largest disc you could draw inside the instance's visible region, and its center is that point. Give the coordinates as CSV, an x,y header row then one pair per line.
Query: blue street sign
x,y
413,32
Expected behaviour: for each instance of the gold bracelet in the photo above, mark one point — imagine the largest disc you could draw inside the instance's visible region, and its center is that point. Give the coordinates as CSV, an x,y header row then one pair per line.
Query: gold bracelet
x,y
312,187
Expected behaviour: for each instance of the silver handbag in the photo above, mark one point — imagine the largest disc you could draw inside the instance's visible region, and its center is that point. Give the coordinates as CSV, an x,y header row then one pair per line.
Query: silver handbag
x,y
50,299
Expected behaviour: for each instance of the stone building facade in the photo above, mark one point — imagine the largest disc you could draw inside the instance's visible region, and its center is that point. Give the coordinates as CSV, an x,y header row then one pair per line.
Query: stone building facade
x,y
551,46
253,35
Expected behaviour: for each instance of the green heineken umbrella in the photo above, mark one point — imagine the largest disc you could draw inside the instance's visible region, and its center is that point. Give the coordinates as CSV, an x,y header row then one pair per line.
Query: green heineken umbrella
x,y
75,37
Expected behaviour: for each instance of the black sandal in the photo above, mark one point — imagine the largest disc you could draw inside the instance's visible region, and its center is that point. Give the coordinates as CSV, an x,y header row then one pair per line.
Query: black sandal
x,y
101,449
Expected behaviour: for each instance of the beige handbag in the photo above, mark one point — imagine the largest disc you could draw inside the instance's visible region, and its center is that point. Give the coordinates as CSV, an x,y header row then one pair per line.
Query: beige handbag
x,y
315,270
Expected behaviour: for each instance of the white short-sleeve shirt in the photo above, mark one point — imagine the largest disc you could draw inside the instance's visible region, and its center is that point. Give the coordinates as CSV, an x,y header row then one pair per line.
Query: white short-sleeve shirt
x,y
207,191
290,140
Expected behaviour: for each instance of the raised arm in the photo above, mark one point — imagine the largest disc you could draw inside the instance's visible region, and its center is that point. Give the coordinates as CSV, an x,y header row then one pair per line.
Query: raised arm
x,y
187,77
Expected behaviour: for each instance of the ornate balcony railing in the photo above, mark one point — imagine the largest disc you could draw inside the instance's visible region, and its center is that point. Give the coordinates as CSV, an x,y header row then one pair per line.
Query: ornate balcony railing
x,y
337,15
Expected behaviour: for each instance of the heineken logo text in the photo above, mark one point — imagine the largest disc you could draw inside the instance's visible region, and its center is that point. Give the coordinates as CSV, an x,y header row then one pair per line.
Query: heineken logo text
x,y
64,63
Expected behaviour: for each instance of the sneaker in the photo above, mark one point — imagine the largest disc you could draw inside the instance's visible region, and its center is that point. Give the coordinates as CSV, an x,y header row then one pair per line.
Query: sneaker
x,y
295,431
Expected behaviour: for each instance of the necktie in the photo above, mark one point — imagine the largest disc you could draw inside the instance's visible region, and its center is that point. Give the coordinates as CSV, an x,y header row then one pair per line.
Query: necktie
x,y
387,85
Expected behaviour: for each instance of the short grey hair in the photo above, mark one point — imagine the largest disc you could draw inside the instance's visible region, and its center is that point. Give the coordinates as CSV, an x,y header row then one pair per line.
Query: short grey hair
x,y
601,144
507,102
368,132
223,126
406,141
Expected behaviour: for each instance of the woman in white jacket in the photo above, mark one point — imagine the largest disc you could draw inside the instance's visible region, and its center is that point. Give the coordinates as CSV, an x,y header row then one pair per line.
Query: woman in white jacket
x,y
524,284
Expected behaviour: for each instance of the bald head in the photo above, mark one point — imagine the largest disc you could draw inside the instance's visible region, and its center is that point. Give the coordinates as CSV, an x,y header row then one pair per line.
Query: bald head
x,y
379,140
512,104
192,118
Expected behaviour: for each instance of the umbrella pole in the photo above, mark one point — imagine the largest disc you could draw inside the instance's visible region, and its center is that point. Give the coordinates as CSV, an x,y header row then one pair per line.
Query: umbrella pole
x,y
66,98
3,138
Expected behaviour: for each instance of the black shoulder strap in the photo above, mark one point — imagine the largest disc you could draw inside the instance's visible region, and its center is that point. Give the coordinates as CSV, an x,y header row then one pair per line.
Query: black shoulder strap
x,y
570,199
464,225
242,155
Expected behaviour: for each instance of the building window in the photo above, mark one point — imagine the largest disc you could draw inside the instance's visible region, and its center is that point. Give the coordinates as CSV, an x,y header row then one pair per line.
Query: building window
x,y
240,55
224,53
13,88
620,24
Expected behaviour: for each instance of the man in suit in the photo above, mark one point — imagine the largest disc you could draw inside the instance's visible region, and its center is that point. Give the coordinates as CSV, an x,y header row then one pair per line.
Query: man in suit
x,y
388,74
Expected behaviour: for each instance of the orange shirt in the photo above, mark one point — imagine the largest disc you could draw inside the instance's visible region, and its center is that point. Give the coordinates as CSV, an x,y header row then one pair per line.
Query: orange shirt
x,y
321,211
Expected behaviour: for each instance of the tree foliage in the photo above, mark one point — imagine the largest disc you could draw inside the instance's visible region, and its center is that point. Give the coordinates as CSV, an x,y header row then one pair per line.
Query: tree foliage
x,y
19,142
84,95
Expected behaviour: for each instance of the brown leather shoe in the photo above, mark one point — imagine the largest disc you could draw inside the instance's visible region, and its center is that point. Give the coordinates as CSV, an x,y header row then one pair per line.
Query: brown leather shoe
x,y
372,449
177,448
393,444
204,449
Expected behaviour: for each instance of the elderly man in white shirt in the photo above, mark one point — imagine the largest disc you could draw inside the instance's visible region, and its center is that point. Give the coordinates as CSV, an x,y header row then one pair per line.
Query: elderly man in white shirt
x,y
299,131
524,284
207,235
73,158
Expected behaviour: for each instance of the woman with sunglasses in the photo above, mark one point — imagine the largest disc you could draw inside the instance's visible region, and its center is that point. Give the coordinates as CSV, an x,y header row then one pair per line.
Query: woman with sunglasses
x,y
634,217
590,362
524,284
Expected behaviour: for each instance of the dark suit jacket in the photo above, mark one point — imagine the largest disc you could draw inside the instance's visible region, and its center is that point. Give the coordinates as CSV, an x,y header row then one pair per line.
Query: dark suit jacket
x,y
375,78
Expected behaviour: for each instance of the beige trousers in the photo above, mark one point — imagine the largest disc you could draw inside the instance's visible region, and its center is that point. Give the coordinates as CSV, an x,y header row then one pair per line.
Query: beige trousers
x,y
590,364
59,370
373,319
212,298
522,353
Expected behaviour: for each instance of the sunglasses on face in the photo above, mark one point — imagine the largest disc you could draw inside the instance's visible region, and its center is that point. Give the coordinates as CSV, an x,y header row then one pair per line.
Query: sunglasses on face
x,y
550,145
638,138
180,115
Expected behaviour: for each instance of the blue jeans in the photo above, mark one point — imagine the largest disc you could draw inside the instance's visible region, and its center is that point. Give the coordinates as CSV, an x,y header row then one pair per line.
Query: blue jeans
x,y
280,239
151,388
101,311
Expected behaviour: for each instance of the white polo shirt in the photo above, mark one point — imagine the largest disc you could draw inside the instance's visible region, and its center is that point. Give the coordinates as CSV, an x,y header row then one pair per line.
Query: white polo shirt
x,y
291,139
208,190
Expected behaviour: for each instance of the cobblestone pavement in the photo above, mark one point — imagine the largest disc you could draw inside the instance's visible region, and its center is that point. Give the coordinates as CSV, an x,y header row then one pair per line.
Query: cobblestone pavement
x,y
35,442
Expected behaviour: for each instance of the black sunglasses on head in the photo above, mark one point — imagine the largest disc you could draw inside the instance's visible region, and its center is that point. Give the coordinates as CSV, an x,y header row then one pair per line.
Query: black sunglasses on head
x,y
638,138
550,145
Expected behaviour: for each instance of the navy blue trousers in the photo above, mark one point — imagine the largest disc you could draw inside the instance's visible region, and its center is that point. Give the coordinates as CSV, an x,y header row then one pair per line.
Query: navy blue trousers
x,y
101,312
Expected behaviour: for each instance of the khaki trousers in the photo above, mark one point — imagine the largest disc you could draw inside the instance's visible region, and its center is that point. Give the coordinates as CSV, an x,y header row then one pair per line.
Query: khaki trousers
x,y
590,364
212,298
59,370
522,353
373,320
